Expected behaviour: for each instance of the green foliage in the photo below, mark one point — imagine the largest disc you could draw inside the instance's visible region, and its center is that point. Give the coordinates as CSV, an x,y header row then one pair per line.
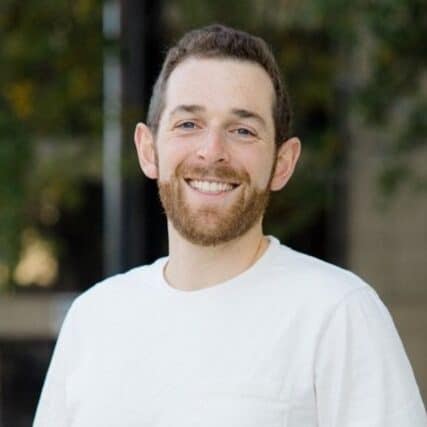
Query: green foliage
x,y
15,165
50,91
51,55
394,96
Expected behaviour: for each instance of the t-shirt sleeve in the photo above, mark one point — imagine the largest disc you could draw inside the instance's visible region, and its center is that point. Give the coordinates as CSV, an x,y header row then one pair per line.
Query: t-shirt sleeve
x,y
51,410
362,375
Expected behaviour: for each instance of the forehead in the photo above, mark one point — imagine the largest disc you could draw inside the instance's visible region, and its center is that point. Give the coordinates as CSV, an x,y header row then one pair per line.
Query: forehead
x,y
220,85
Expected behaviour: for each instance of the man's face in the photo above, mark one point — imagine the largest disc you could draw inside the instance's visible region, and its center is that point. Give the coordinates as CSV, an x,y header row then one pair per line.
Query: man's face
x,y
215,148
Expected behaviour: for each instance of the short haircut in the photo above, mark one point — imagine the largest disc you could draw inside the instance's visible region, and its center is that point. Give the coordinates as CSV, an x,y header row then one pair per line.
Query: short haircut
x,y
219,41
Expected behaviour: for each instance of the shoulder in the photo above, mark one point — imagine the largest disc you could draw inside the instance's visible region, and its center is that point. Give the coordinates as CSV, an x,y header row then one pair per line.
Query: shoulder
x,y
315,279
117,290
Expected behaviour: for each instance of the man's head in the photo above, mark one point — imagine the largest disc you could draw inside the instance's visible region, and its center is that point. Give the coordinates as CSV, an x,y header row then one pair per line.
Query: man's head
x,y
214,140
218,41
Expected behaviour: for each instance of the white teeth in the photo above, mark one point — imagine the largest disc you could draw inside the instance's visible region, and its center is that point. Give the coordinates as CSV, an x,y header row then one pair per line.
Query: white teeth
x,y
210,187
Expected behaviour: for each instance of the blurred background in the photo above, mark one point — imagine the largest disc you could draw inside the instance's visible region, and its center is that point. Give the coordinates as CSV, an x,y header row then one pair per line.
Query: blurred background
x,y
76,76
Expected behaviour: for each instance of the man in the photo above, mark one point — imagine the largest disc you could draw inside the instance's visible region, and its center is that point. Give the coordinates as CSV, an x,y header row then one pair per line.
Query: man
x,y
232,329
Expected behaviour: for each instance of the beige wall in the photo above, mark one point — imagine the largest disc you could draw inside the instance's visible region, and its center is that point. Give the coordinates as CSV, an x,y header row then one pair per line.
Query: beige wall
x,y
388,247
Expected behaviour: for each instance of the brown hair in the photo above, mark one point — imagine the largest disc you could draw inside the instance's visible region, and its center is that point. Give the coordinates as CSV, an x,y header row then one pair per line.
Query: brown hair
x,y
219,41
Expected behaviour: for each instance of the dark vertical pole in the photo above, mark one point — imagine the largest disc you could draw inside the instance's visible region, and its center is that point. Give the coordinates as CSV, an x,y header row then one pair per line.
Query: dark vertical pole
x,y
141,43
112,142
337,217
338,214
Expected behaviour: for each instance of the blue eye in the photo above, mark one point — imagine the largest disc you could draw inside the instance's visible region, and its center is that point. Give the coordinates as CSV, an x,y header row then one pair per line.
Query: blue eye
x,y
187,125
245,132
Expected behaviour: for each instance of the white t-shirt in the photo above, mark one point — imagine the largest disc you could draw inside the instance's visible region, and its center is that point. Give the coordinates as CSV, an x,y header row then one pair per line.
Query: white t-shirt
x,y
291,342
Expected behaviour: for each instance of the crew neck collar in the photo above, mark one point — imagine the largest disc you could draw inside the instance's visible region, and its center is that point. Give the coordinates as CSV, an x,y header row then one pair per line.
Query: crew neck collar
x,y
219,287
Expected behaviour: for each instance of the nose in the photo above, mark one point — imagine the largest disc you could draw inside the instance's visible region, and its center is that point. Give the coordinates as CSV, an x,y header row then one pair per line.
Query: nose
x,y
213,147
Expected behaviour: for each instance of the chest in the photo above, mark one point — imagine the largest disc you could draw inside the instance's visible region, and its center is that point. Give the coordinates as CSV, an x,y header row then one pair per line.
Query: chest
x,y
211,367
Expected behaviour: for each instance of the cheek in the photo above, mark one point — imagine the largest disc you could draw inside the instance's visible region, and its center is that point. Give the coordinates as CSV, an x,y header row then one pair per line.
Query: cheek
x,y
167,161
259,168
264,177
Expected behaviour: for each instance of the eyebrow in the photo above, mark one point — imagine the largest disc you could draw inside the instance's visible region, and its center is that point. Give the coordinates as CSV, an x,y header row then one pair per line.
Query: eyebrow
x,y
246,114
187,109
239,112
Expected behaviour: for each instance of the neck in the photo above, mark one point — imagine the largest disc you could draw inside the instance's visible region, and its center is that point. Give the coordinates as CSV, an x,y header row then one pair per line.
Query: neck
x,y
191,267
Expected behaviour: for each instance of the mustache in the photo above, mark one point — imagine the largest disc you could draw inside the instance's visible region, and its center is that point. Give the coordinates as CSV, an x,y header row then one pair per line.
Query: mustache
x,y
222,172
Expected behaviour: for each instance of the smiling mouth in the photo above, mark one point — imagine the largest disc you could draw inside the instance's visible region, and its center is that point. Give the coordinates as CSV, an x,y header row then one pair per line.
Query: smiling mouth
x,y
212,187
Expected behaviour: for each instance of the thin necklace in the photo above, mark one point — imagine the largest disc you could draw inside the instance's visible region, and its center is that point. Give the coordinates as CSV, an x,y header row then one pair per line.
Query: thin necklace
x,y
254,259
258,253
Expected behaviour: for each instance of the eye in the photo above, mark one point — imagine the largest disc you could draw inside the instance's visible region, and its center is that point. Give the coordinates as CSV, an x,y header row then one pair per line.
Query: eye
x,y
186,125
244,132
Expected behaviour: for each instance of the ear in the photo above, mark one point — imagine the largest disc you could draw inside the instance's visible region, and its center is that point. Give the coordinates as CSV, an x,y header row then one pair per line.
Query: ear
x,y
144,142
287,157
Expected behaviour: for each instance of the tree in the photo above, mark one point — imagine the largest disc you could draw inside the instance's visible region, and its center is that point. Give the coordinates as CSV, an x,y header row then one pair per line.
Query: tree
x,y
50,97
